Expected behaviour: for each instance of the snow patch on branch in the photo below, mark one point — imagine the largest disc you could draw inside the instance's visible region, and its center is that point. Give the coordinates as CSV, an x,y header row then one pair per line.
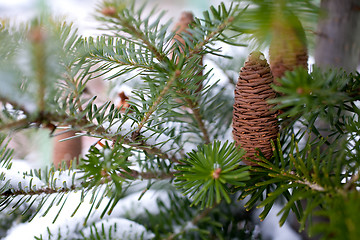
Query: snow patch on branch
x,y
19,182
118,228
67,178
67,226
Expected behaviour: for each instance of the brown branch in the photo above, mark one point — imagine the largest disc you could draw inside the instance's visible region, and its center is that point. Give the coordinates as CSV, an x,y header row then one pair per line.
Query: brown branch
x,y
46,190
19,123
352,180
311,185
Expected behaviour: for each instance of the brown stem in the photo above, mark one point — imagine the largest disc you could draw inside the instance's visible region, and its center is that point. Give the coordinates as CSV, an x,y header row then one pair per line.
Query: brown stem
x,y
196,112
19,123
37,37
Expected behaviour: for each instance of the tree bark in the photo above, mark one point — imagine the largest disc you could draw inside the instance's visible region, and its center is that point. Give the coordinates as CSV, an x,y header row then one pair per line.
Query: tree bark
x,y
338,41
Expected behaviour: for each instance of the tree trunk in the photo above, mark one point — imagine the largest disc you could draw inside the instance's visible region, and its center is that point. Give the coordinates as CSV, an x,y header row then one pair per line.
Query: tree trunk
x,y
338,41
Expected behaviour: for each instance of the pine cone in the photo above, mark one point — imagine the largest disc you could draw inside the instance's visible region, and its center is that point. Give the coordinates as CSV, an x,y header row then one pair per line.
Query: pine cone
x,y
288,46
181,28
254,121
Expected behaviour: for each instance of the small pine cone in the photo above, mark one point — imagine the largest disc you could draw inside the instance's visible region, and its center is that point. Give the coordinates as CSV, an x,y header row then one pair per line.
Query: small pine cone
x,y
181,28
254,120
288,48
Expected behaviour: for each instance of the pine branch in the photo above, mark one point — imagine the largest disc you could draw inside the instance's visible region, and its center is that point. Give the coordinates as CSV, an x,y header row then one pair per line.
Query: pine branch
x,y
196,112
16,124
96,130
37,38
140,35
132,28
352,180
210,36
165,90
312,186
47,190
121,63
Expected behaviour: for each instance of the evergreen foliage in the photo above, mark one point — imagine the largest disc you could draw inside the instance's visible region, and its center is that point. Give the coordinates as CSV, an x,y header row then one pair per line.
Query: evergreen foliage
x,y
172,138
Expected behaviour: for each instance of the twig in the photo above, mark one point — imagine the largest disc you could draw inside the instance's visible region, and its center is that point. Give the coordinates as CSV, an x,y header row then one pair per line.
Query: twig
x,y
91,128
197,48
158,100
313,186
199,120
46,190
139,34
352,180
19,123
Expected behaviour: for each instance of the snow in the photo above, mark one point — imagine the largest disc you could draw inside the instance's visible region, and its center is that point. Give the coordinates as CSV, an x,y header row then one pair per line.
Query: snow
x,y
188,226
20,182
270,228
67,178
69,227
119,228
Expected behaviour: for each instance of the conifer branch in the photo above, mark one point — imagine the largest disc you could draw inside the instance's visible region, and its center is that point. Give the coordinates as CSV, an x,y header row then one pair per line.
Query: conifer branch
x,y
16,124
93,129
37,38
200,45
165,90
121,63
46,190
140,35
352,180
136,32
196,112
312,186
75,90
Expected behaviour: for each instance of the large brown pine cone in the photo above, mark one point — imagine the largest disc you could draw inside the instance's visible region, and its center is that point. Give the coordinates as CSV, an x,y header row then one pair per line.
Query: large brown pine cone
x,y
254,120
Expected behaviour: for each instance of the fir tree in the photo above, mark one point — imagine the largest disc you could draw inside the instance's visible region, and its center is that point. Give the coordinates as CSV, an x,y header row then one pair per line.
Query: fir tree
x,y
163,166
